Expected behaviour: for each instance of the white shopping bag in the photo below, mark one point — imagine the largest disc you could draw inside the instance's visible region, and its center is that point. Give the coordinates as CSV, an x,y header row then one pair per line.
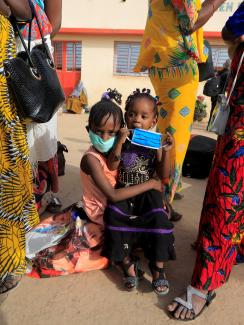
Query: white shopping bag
x,y
221,111
220,116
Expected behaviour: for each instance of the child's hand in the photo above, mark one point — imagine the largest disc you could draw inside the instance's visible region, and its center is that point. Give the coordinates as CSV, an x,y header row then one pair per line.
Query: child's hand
x,y
123,134
169,142
156,184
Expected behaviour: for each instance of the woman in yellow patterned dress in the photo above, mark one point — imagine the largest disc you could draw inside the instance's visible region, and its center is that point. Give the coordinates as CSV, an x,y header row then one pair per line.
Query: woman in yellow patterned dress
x,y
17,206
172,46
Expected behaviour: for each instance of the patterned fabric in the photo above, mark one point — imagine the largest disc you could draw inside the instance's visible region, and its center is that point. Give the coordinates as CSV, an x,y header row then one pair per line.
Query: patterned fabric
x,y
17,206
222,219
171,59
137,164
46,26
40,3
75,252
177,92
163,44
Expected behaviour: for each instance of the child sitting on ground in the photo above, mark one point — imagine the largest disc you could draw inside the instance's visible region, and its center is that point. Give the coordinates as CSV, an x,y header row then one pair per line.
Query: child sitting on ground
x,y
105,121
139,218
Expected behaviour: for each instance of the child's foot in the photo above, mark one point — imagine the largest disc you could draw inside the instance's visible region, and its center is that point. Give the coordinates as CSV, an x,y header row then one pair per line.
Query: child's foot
x,y
132,274
160,284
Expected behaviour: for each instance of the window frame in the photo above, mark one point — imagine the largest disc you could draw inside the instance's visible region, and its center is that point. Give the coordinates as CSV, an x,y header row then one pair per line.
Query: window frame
x,y
56,54
128,71
64,54
216,59
74,57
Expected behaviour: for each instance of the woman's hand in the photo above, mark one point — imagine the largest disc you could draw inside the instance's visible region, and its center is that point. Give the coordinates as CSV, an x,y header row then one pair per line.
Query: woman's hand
x,y
4,9
169,142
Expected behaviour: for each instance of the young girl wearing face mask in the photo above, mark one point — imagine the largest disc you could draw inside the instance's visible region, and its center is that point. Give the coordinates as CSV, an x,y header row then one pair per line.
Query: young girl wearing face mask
x,y
105,121
139,219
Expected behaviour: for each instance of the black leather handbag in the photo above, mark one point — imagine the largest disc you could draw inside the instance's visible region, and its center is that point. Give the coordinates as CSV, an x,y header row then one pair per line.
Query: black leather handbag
x,y
33,80
206,69
212,87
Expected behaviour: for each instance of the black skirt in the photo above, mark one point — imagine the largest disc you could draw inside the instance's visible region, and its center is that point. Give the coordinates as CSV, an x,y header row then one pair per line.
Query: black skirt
x,y
139,220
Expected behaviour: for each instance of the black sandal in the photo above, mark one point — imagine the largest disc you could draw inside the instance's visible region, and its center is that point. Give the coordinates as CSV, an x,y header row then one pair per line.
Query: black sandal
x,y
161,281
131,282
9,283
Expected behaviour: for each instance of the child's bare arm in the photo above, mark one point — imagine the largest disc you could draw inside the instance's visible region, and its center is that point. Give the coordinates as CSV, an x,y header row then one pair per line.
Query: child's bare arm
x,y
91,165
163,158
114,156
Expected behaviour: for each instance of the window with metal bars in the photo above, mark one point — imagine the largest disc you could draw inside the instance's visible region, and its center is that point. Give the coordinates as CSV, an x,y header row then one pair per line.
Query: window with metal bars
x,y
58,55
67,56
73,56
125,58
220,55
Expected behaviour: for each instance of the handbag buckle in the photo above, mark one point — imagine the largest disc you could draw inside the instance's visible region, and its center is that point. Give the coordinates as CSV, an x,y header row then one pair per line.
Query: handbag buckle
x,y
51,64
35,73
7,74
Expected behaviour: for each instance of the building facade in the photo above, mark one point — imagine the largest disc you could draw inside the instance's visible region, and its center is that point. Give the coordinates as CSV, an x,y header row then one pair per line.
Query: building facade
x,y
99,43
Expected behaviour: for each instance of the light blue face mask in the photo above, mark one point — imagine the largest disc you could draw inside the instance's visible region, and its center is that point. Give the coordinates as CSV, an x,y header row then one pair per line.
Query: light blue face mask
x,y
147,139
100,144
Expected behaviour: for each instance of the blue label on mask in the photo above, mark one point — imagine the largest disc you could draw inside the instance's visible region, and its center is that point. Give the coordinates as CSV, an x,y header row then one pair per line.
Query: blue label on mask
x,y
146,138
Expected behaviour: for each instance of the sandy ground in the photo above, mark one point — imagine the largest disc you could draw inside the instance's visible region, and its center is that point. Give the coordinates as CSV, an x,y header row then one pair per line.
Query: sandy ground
x,y
98,297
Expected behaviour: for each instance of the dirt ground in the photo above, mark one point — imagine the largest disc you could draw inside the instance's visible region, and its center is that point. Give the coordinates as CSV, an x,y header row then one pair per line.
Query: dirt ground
x,y
98,297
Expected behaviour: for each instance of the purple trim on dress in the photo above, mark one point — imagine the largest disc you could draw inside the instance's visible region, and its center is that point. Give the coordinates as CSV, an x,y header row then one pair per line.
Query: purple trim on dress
x,y
154,211
131,229
114,208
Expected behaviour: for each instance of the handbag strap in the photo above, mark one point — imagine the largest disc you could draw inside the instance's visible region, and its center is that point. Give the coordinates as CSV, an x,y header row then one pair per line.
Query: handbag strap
x,y
29,36
16,27
235,79
33,10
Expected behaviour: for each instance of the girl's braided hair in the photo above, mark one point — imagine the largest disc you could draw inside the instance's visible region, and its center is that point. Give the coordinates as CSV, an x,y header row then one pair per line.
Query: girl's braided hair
x,y
107,107
145,93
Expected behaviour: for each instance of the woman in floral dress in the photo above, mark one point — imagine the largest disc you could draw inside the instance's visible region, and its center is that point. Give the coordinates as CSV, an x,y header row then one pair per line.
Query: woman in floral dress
x,y
172,46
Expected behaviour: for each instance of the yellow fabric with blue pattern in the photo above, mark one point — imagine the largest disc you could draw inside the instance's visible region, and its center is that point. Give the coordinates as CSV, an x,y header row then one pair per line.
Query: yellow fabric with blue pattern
x,y
171,58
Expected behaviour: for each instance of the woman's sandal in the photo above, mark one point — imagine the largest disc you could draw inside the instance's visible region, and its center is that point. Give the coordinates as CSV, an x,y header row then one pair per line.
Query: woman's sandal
x,y
161,281
10,283
209,297
131,282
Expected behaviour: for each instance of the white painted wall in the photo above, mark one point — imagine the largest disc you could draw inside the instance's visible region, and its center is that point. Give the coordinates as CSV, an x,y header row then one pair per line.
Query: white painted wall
x,y
125,15
98,65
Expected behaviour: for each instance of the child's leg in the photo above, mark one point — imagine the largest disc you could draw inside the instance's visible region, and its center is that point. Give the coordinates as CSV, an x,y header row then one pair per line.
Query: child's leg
x,y
157,237
159,283
119,240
